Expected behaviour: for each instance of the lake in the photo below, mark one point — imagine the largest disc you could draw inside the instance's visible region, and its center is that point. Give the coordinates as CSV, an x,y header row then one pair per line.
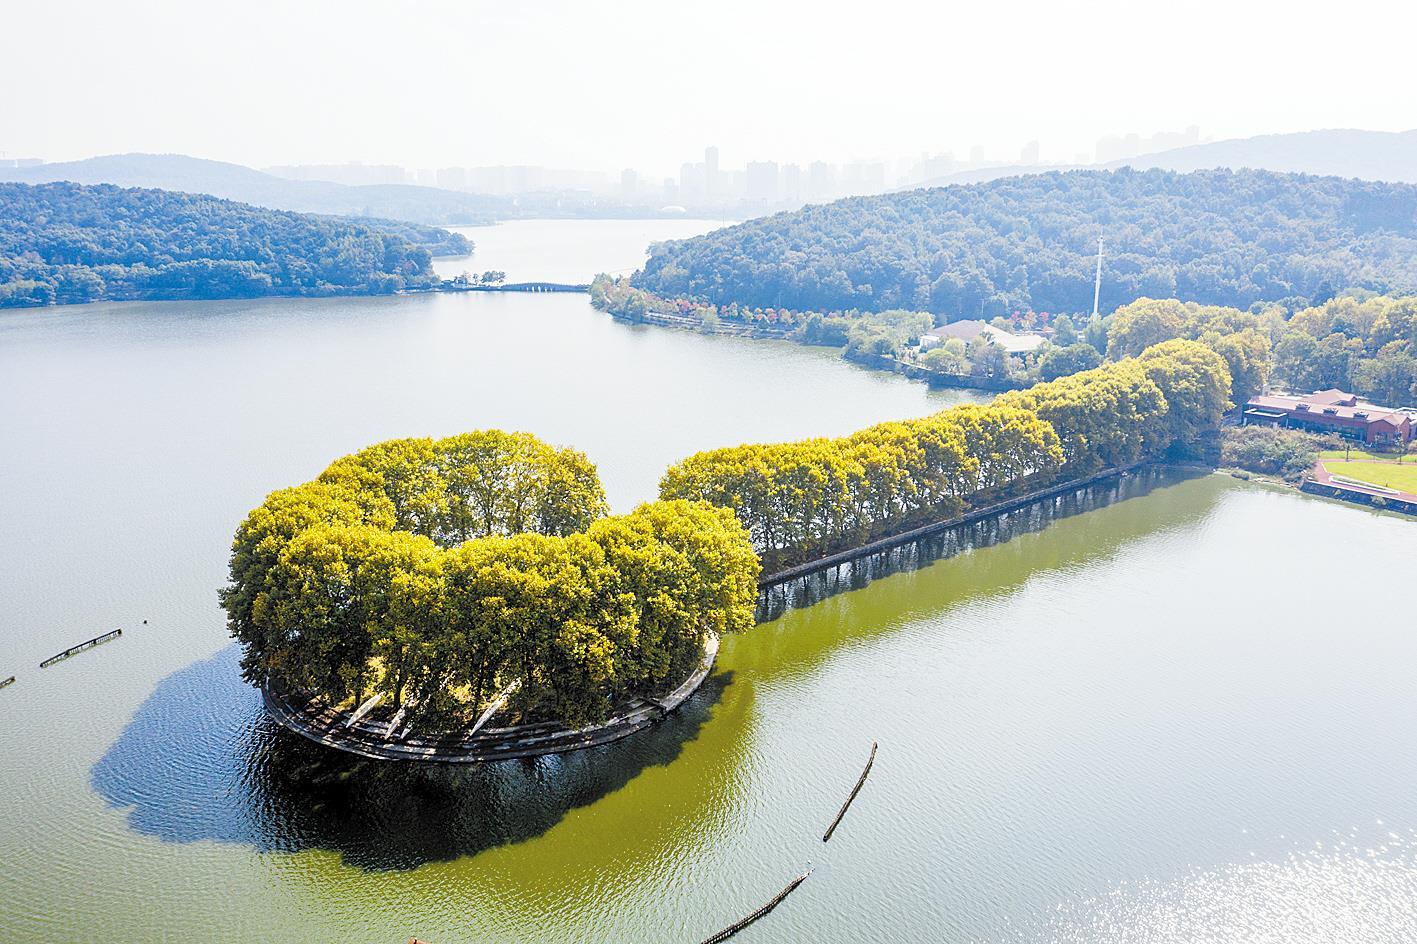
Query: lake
x,y
1180,712
564,250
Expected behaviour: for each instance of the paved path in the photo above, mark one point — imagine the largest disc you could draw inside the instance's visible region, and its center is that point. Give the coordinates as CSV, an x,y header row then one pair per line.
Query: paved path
x,y
1324,476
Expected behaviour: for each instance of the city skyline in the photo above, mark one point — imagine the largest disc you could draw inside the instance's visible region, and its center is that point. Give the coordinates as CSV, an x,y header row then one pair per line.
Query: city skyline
x,y
762,181
566,85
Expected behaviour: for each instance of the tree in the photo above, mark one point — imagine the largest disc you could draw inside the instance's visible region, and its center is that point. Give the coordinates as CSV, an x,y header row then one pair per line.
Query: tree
x,y
948,358
1095,333
987,359
1137,326
1389,378
1247,356
1294,361
1197,386
1060,361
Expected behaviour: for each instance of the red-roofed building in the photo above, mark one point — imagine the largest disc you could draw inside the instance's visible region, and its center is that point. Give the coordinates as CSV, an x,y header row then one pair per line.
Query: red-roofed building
x,y
1332,411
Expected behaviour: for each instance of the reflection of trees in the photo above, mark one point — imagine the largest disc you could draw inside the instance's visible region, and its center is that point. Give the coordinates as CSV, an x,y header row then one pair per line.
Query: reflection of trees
x,y
201,762
970,575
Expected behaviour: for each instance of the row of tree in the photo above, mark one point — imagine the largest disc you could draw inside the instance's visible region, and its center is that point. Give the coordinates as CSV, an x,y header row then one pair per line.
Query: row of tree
x,y
803,499
67,243
361,582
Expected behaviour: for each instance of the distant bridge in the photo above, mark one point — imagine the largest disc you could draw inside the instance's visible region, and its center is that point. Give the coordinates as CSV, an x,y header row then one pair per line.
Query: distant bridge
x,y
516,287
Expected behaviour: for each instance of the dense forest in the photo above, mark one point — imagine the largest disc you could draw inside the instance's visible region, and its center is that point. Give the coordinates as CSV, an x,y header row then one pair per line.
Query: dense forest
x,y
1029,244
64,243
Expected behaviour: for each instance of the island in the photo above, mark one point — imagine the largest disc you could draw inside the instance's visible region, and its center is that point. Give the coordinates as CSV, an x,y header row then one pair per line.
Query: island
x,y
417,588
421,586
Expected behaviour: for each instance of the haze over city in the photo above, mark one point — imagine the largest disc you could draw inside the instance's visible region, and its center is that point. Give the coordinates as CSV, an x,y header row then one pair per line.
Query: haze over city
x,y
646,85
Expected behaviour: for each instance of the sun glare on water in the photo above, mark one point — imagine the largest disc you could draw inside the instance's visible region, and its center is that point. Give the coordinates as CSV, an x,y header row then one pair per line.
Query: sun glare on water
x,y
1356,888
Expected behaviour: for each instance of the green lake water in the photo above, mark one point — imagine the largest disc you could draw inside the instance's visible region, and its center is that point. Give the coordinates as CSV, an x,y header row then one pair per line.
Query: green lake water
x,y
1176,709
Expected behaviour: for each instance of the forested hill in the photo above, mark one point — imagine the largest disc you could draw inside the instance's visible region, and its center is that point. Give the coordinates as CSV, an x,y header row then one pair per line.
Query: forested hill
x,y
65,242
1030,243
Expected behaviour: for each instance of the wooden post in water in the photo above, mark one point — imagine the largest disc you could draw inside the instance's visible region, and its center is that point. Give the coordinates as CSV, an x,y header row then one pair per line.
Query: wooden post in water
x,y
75,650
776,900
861,782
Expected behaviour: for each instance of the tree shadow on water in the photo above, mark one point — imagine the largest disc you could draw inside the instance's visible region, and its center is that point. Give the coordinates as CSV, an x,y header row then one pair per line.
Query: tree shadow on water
x,y
202,761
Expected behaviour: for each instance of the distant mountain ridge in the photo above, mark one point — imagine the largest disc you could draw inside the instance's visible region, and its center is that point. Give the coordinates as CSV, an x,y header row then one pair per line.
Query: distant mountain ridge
x,y
1367,155
178,172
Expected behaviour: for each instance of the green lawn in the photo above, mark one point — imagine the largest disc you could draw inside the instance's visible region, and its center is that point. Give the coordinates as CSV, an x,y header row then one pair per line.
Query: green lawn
x,y
1401,477
1357,453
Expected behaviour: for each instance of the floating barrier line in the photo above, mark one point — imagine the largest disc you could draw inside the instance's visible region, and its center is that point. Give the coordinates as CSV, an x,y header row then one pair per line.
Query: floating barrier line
x,y
75,650
857,789
7,682
734,928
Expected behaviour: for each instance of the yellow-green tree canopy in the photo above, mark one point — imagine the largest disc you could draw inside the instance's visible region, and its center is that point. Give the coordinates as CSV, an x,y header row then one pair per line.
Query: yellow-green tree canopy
x,y
805,499
1197,384
810,497
1237,336
435,572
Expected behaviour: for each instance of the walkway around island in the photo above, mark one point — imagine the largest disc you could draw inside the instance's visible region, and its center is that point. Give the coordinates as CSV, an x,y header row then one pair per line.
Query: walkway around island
x,y
327,726
806,568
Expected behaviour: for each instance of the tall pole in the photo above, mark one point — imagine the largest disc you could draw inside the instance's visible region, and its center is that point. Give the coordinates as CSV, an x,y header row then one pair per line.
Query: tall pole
x,y
1097,280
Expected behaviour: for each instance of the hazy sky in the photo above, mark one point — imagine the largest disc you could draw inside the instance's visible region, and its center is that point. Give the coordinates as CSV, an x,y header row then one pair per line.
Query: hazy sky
x,y
428,83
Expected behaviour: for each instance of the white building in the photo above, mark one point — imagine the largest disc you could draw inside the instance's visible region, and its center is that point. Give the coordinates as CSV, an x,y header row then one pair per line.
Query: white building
x,y
971,330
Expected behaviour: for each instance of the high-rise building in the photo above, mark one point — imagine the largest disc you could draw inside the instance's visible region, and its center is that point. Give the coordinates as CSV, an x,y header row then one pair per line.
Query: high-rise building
x,y
1030,153
452,178
762,181
930,168
353,174
860,177
711,187
791,183
691,183
821,181
874,176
